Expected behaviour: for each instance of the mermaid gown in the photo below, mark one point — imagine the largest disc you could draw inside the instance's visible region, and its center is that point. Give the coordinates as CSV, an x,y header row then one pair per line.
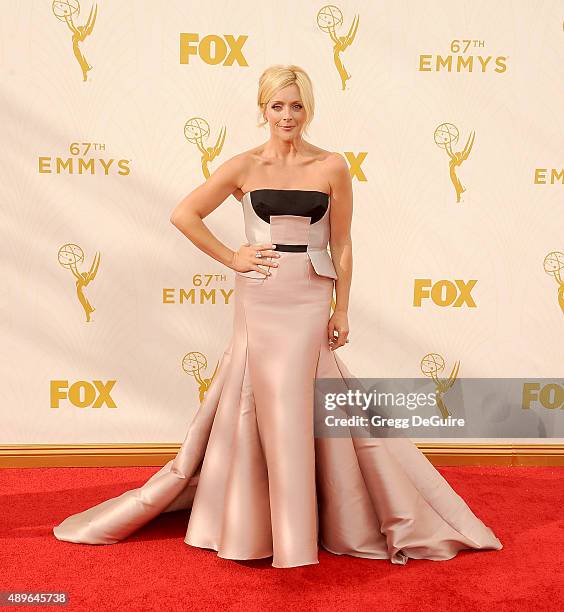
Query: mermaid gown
x,y
256,480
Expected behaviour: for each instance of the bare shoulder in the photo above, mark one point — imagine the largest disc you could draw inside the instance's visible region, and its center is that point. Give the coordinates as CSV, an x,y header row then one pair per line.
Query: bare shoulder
x,y
336,163
245,162
338,175
233,170
332,161
236,164
236,169
249,156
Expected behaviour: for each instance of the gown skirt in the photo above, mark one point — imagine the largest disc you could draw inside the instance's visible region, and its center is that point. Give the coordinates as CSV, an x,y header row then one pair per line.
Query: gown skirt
x,y
256,480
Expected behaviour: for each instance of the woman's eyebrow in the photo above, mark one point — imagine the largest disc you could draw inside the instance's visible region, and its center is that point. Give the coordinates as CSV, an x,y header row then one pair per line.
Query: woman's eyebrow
x,y
275,101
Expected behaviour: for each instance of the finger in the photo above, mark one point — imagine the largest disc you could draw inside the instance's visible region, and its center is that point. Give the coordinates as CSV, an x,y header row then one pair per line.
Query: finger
x,y
338,339
337,344
263,247
265,272
263,261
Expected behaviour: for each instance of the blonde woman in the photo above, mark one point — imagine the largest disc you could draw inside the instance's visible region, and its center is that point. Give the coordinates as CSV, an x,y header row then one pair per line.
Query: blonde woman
x,y
258,482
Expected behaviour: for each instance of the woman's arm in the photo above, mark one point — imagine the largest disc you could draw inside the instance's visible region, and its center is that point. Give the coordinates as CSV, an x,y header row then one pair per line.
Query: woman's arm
x,y
341,247
203,200
340,219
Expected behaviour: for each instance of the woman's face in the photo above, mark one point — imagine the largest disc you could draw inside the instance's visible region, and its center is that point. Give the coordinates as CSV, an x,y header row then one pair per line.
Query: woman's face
x,y
285,113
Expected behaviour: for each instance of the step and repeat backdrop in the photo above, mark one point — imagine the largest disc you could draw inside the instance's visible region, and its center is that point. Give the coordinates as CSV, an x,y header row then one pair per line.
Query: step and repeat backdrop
x,y
448,114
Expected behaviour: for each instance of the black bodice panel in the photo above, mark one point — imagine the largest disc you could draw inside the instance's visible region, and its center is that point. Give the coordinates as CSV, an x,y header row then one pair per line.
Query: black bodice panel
x,y
297,202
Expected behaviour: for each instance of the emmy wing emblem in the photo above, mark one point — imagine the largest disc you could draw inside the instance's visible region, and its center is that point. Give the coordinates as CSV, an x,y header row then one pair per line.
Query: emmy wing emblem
x,y
70,256
67,11
431,365
329,18
446,135
193,363
195,130
553,265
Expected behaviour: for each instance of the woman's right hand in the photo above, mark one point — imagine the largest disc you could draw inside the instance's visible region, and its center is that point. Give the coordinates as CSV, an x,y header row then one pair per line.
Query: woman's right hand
x,y
245,259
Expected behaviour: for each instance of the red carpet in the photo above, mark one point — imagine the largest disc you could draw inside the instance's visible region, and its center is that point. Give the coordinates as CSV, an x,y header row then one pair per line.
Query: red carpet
x,y
155,570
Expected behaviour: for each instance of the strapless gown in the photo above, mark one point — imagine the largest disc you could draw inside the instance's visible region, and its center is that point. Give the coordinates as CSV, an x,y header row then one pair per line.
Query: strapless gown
x,y
256,480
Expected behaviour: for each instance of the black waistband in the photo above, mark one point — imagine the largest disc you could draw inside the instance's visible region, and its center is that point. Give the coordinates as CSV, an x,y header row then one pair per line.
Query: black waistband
x,y
291,248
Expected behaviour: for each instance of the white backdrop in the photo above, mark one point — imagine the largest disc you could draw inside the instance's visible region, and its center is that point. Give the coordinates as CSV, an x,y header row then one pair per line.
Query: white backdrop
x,y
91,170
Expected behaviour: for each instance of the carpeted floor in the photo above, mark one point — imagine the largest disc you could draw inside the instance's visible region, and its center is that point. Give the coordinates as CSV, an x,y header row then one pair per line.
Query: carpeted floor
x,y
155,570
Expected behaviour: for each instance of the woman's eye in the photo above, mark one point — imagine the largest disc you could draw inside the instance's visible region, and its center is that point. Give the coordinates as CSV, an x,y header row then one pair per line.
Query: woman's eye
x,y
277,106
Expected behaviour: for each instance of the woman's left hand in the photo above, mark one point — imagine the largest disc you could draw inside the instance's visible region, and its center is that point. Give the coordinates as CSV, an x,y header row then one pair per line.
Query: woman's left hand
x,y
338,329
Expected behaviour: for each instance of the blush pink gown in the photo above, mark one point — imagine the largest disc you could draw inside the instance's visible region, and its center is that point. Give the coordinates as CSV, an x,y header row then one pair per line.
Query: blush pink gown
x,y
255,479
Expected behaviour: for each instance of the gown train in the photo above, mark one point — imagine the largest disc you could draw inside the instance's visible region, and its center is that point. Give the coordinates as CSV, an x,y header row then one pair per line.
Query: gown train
x,y
256,481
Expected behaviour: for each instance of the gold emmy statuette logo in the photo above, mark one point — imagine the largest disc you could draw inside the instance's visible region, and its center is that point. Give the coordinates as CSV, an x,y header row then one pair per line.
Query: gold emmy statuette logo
x,y
554,265
195,130
193,363
446,135
64,10
431,365
328,19
70,256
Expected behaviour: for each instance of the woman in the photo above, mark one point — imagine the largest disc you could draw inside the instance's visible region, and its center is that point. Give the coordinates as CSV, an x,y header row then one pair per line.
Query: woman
x,y
257,480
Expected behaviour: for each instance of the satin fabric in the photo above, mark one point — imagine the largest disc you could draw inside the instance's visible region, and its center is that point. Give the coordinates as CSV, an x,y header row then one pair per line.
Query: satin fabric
x,y
257,482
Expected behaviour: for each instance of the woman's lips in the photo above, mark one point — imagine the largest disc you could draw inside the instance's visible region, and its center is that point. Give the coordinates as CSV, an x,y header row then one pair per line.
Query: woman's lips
x,y
287,127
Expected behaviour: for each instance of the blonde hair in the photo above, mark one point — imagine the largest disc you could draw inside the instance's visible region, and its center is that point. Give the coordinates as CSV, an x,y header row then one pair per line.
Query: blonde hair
x,y
278,76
